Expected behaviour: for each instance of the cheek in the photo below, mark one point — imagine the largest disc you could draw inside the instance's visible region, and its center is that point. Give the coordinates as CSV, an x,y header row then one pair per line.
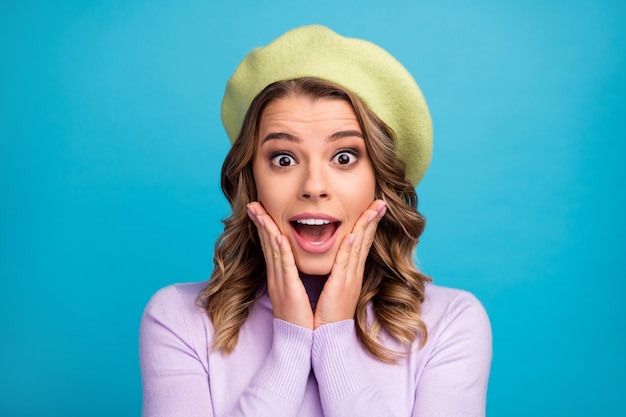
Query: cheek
x,y
272,198
260,182
359,200
364,192
264,187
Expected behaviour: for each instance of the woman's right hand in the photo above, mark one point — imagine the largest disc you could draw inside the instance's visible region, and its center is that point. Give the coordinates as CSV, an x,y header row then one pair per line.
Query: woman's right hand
x,y
289,298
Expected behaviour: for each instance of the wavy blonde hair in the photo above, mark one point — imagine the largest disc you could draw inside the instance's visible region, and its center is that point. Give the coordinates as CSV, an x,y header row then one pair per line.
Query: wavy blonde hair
x,y
392,285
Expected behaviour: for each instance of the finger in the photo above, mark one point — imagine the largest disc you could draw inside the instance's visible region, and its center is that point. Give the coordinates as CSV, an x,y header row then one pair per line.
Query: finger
x,y
279,257
340,294
351,251
288,296
343,255
268,229
341,291
294,304
273,253
255,212
262,222
265,225
364,231
276,246
288,268
253,215
370,230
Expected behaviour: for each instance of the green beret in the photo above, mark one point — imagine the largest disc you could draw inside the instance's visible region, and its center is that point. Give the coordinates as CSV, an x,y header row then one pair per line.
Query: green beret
x,y
361,67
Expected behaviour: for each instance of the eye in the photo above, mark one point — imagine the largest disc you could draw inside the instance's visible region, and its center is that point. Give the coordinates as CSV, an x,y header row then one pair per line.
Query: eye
x,y
283,160
345,157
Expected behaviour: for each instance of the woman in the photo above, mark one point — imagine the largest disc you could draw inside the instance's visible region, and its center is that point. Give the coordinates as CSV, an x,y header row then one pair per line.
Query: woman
x,y
315,307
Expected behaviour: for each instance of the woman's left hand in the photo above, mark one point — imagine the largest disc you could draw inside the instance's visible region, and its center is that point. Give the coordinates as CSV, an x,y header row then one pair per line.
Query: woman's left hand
x,y
342,289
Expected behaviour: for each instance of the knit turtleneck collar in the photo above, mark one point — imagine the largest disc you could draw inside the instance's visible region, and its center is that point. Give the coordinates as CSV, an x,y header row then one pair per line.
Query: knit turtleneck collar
x,y
313,285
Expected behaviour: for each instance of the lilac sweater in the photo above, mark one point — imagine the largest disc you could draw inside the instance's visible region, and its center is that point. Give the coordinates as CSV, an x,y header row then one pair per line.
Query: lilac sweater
x,y
279,369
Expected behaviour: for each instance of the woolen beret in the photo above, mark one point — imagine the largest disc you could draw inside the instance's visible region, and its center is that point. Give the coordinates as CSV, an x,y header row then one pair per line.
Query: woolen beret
x,y
357,65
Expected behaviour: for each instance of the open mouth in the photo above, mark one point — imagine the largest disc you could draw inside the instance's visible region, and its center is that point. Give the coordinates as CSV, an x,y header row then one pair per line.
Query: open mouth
x,y
315,231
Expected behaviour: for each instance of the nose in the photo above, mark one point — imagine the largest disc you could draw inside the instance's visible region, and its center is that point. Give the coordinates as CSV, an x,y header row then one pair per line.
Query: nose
x,y
314,183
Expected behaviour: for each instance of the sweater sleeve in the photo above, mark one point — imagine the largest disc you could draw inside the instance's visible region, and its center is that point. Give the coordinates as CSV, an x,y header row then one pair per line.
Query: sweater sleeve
x,y
344,382
175,379
279,386
454,380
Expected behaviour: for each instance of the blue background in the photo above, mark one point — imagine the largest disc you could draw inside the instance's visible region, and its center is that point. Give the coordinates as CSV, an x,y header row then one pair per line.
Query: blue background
x,y
111,147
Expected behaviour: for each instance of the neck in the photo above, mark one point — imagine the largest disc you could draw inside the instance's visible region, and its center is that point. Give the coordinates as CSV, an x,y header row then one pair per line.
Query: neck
x,y
314,284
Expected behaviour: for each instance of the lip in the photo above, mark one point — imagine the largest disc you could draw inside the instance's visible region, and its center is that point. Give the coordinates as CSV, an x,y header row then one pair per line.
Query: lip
x,y
320,216
316,248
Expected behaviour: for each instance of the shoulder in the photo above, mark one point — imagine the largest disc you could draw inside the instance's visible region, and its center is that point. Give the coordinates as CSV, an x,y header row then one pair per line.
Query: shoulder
x,y
453,366
176,295
175,308
445,300
176,299
450,312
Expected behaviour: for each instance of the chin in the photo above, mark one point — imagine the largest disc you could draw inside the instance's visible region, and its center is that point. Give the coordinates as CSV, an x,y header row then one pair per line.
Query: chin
x,y
314,266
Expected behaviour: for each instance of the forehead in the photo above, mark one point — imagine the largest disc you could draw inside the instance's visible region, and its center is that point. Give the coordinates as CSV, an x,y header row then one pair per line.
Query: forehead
x,y
304,112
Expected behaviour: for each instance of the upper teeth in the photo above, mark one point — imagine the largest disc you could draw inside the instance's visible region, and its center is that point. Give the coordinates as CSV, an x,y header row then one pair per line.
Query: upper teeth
x,y
313,222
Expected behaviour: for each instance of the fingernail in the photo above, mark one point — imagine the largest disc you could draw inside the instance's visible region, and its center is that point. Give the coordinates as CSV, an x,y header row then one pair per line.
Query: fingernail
x,y
251,212
372,216
279,240
260,220
382,210
351,238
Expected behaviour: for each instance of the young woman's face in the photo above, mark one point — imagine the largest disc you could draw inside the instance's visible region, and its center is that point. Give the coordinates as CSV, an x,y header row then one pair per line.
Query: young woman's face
x,y
313,175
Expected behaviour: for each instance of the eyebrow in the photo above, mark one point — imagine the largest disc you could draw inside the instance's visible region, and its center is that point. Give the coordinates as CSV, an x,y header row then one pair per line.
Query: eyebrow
x,y
345,134
335,136
281,135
